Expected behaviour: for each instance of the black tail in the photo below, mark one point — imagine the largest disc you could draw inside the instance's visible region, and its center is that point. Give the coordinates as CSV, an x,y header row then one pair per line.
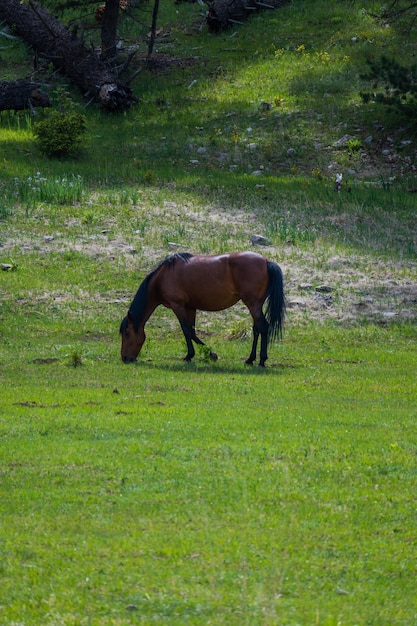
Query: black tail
x,y
275,299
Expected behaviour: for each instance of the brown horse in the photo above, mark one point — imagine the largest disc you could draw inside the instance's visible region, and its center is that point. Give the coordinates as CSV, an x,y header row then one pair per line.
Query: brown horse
x,y
184,283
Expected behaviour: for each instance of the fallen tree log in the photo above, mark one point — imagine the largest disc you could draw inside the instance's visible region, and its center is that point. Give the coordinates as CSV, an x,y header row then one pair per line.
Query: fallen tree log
x,y
54,41
224,13
22,94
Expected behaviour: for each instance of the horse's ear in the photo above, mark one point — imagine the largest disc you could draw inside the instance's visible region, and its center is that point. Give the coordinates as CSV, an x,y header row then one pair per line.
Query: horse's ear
x,y
130,316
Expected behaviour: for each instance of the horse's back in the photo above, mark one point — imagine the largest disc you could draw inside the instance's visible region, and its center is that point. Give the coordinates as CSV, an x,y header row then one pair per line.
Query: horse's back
x,y
233,266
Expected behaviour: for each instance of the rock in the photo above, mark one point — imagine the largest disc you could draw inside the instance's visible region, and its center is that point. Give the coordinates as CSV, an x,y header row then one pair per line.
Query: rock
x,y
343,141
342,592
259,240
324,289
6,267
323,299
296,304
361,305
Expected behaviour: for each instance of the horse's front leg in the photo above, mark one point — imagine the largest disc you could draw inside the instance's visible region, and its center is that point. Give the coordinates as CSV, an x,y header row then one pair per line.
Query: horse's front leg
x,y
188,328
186,319
197,340
188,335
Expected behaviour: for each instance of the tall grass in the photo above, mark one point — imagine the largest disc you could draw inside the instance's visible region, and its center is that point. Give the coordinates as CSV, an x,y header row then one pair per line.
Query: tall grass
x,y
37,188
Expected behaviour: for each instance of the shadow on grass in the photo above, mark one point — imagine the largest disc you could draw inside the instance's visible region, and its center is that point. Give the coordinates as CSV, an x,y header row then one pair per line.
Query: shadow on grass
x,y
206,367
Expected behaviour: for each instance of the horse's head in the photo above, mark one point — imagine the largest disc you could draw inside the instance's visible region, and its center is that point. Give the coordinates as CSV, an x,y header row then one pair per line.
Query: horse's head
x,y
132,339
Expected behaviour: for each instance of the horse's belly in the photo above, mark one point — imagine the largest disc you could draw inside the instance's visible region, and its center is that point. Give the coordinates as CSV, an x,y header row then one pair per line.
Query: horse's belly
x,y
213,301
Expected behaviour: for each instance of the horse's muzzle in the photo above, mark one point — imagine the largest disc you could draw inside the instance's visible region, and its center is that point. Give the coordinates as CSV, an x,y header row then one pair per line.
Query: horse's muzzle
x,y
128,359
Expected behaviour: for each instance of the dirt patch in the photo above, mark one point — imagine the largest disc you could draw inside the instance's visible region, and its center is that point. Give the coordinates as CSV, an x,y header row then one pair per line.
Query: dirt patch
x,y
321,282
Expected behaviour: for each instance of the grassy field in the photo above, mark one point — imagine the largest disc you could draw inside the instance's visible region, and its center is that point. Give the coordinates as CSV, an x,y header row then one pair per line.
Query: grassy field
x,y
176,493
213,493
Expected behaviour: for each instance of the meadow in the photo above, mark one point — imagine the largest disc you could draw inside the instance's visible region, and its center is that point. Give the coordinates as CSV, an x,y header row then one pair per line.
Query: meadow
x,y
214,493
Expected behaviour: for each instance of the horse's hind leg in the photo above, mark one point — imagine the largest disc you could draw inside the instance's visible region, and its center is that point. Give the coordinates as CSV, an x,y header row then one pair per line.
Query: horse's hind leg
x,y
264,346
252,356
260,327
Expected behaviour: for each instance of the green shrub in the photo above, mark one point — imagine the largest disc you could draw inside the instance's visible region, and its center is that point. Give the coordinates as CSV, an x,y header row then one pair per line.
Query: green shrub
x,y
61,133
393,84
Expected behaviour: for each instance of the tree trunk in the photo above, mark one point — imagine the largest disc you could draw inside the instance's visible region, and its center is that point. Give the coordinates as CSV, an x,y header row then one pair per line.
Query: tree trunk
x,y
153,27
21,94
223,13
109,29
52,39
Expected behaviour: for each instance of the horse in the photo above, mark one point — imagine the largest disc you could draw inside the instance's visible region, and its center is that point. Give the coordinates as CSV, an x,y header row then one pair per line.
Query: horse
x,y
186,283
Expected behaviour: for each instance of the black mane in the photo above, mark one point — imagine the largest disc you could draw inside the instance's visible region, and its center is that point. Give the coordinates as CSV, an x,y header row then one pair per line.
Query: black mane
x,y
138,307
178,256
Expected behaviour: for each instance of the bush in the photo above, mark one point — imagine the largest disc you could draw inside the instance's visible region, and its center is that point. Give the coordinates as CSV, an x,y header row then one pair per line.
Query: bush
x,y
394,85
61,133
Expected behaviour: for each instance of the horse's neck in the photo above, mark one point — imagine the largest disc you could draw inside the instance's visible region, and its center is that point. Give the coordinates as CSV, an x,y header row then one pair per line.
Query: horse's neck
x,y
152,300
144,303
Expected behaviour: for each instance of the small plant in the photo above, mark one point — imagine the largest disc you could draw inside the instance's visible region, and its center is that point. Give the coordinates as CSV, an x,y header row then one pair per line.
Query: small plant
x,y
206,353
90,217
240,331
76,358
61,133
353,145
317,173
149,177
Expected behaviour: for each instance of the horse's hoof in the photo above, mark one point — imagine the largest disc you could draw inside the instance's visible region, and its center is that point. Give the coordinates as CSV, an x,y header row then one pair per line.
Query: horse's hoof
x,y
213,356
248,362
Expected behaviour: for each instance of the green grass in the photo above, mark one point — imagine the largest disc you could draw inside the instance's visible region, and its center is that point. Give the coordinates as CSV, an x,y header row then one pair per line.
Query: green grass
x,y
204,492
306,69
213,493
